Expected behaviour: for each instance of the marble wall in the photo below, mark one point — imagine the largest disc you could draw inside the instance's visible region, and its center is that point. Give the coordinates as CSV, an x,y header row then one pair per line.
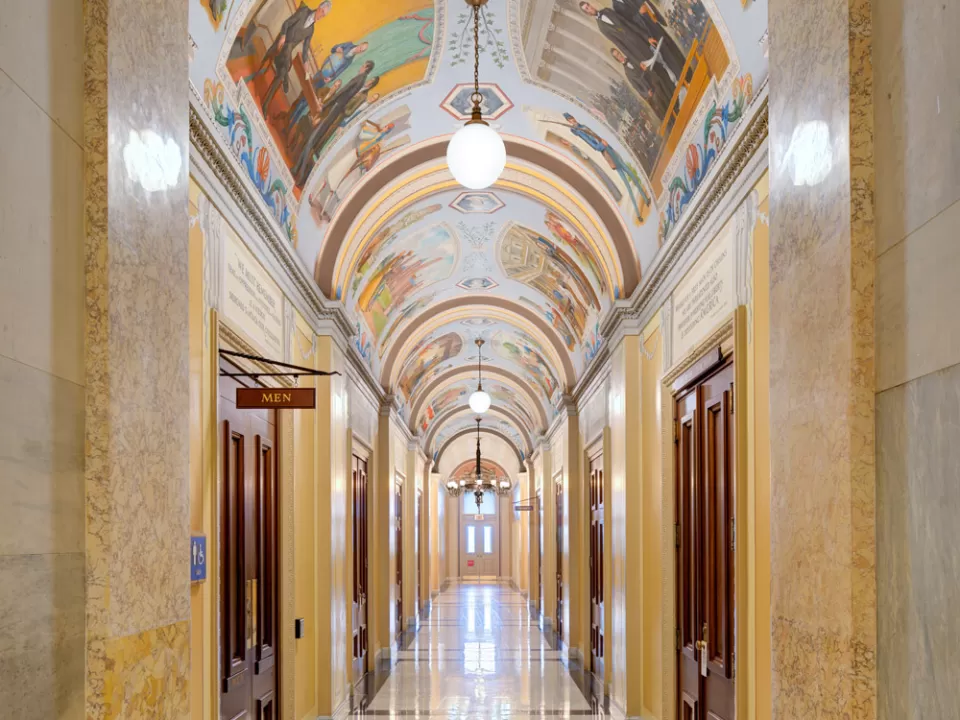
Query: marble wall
x,y
41,360
822,460
137,402
917,121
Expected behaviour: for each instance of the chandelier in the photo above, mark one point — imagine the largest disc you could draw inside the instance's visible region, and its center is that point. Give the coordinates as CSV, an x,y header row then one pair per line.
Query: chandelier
x,y
500,485
476,154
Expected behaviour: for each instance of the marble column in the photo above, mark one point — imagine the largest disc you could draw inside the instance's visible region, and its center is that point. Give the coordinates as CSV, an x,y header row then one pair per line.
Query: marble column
x,y
823,547
137,411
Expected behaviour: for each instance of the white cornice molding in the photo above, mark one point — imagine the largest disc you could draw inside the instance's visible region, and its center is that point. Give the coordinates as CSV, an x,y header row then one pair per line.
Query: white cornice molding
x,y
219,174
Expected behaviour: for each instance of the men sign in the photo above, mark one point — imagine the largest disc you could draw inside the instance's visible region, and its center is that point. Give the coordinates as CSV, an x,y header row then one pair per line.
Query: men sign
x,y
276,398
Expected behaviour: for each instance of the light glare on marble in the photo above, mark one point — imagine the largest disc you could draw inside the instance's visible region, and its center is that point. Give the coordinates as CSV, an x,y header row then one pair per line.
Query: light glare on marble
x,y
152,162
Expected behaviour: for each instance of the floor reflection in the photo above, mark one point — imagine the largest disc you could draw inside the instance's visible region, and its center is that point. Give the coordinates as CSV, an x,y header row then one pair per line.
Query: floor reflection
x,y
478,652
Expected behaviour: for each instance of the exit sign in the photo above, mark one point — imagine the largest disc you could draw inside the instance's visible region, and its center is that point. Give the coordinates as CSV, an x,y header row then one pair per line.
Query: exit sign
x,y
276,398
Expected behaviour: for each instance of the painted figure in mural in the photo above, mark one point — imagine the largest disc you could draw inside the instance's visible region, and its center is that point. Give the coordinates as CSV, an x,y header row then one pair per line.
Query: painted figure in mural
x,y
340,58
297,30
628,175
369,147
335,111
649,83
639,30
564,234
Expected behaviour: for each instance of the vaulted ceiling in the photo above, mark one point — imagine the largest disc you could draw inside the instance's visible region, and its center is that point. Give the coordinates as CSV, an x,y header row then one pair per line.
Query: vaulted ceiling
x,y
613,113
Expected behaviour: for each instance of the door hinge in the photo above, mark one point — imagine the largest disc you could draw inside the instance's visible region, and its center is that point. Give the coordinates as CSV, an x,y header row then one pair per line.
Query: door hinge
x,y
676,637
733,534
676,534
676,432
731,399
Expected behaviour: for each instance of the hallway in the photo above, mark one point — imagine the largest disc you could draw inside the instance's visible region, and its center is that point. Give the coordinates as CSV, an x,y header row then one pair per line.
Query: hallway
x,y
479,653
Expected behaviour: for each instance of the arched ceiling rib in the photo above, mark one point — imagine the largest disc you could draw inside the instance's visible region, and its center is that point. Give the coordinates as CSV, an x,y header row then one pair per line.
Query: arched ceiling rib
x,y
492,415
484,432
456,374
483,306
427,154
613,113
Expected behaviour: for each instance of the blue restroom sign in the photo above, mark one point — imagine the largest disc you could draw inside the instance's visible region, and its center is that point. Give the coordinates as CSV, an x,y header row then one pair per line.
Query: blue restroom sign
x,y
198,558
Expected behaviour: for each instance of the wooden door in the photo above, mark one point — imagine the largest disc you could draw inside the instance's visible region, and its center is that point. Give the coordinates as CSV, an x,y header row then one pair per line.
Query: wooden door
x,y
559,500
418,522
249,559
539,510
360,564
596,565
398,505
705,532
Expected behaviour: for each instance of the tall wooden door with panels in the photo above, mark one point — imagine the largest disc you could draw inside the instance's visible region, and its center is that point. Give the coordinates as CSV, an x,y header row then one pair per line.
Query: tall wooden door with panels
x,y
596,566
398,539
705,535
360,567
248,560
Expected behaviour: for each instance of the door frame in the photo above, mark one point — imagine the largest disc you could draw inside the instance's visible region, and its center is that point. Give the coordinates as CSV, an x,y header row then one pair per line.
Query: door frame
x,y
730,337
596,449
222,335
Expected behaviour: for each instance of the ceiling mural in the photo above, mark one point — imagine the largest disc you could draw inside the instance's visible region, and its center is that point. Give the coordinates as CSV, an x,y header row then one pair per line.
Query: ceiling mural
x,y
456,394
614,113
491,473
652,71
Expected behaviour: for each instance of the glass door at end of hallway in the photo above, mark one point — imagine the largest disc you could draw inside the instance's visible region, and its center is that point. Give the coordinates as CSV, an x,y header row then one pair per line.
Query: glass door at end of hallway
x,y
479,557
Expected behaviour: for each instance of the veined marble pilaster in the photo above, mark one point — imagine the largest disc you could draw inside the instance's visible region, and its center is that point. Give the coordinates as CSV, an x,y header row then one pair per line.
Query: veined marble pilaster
x,y
137,529
823,554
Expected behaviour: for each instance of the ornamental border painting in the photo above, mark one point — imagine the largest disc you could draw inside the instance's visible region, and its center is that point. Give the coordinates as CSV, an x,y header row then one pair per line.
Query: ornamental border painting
x,y
659,60
307,75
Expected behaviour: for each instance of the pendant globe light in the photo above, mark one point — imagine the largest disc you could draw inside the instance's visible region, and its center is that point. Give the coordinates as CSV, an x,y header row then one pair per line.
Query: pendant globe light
x,y
479,400
476,154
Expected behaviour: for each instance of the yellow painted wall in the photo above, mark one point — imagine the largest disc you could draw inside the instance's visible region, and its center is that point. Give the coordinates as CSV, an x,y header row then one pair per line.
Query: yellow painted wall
x,y
637,642
651,362
305,537
315,460
758,419
626,517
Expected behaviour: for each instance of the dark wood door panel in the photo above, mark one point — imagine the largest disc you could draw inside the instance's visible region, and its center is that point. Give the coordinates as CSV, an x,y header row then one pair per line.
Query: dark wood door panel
x,y
248,560
705,567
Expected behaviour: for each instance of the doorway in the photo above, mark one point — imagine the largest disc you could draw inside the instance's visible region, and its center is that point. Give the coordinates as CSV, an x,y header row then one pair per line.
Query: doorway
x,y
360,567
596,566
248,559
705,531
398,539
541,606
558,489
418,527
479,537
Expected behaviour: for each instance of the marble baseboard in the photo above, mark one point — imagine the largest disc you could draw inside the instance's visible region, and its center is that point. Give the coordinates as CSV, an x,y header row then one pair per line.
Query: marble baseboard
x,y
42,636
143,676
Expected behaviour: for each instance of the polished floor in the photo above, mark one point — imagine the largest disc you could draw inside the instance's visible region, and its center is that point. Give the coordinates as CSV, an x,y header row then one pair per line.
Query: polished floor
x,y
480,653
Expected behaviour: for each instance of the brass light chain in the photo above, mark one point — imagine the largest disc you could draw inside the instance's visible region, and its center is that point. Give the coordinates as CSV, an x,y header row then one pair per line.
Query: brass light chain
x,y
476,61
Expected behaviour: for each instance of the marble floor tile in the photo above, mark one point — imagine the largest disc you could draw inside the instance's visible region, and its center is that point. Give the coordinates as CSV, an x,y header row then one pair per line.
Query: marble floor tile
x,y
479,652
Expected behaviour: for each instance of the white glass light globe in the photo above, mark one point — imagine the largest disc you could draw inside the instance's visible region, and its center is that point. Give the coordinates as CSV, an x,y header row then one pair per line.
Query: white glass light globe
x,y
476,156
479,402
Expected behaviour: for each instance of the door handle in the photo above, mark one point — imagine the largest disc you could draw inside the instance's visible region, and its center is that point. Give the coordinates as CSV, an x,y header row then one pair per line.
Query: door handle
x,y
702,647
248,607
